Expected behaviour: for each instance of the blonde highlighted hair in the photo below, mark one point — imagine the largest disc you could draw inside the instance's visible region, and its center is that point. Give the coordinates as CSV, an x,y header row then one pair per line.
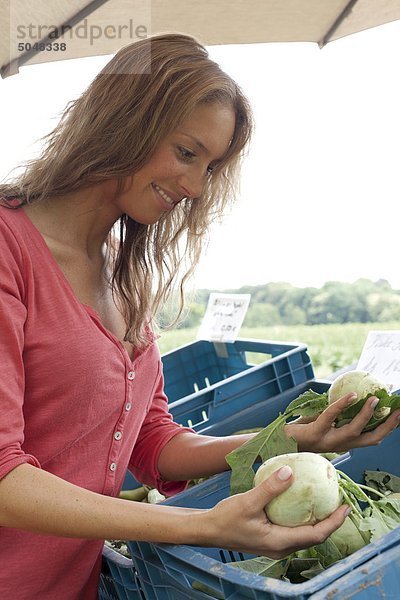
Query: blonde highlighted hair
x,y
110,131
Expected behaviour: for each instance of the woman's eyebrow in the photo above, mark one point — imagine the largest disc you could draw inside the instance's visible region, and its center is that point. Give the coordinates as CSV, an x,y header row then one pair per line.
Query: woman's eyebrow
x,y
198,143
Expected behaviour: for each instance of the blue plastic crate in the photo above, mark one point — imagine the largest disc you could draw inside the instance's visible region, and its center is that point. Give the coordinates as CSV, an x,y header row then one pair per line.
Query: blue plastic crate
x,y
377,578
167,572
208,382
118,578
199,364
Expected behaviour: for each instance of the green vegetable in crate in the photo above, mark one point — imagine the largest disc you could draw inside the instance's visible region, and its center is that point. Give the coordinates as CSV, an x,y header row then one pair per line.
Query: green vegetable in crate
x,y
154,497
272,440
313,495
362,526
137,495
317,490
365,385
142,494
347,538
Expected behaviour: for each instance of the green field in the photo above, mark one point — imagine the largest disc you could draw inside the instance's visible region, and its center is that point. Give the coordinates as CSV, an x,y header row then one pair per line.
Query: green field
x,y
330,346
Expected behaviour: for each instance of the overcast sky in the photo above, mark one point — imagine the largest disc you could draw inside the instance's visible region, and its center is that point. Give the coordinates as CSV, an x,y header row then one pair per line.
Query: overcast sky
x,y
320,187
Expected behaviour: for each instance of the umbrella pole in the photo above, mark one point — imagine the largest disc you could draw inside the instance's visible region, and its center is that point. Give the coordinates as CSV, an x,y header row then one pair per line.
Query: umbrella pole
x,y
345,12
12,67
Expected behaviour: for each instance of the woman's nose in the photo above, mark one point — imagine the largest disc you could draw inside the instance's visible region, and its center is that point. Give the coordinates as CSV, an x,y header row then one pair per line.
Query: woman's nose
x,y
192,184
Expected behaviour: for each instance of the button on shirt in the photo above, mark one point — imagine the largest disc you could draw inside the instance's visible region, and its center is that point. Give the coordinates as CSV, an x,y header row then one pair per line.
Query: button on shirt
x,y
70,403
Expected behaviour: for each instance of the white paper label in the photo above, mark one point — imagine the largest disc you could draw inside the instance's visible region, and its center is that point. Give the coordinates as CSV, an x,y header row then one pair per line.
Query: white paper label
x,y
224,317
381,357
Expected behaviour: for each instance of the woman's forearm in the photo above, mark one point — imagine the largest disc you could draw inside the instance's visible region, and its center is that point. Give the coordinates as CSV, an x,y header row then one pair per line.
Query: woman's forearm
x,y
35,500
190,456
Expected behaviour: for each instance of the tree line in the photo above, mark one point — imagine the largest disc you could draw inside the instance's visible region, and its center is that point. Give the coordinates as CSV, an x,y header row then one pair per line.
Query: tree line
x,y
280,303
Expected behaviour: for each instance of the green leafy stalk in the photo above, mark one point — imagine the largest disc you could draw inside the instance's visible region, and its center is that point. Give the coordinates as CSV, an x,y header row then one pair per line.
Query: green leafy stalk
x,y
356,515
372,490
380,517
355,509
354,488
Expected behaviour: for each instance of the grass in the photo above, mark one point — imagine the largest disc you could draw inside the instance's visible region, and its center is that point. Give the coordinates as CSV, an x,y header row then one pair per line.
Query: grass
x,y
330,346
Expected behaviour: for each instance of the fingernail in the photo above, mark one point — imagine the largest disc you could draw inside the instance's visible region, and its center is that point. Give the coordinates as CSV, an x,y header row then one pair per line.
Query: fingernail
x,y
352,398
373,402
347,511
285,473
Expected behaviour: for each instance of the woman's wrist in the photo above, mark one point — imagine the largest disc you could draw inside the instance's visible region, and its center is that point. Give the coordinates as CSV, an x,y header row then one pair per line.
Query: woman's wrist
x,y
298,432
172,525
193,455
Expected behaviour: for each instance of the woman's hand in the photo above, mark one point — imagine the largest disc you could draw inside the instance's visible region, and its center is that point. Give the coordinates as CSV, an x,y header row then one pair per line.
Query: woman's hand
x,y
320,435
240,523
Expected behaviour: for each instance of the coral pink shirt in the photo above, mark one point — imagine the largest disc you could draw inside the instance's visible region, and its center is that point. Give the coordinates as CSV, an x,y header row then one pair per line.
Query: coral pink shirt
x,y
72,402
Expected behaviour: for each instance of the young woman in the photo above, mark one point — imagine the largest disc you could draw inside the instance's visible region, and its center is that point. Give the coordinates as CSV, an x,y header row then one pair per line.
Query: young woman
x,y
153,145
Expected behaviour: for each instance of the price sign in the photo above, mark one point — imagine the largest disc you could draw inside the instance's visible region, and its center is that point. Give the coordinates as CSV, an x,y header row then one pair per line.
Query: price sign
x,y
224,317
381,357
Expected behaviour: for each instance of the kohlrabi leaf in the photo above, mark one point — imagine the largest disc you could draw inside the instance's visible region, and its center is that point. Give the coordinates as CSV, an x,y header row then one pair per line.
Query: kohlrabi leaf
x,y
374,524
308,404
306,553
328,553
271,441
206,589
390,507
351,411
302,569
382,481
264,566
380,415
312,571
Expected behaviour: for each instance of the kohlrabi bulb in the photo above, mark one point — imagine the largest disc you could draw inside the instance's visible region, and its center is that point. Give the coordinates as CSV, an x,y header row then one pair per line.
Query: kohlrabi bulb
x,y
313,495
361,382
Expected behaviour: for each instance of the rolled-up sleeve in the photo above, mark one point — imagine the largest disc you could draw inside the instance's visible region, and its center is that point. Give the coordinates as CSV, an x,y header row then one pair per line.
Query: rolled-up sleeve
x,y
12,381
157,429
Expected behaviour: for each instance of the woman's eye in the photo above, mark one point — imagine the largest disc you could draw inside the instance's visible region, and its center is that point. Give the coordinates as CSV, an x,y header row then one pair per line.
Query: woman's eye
x,y
187,156
210,169
185,153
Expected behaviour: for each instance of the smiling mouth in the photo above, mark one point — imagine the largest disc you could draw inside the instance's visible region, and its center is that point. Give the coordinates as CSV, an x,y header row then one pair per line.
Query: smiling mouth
x,y
164,195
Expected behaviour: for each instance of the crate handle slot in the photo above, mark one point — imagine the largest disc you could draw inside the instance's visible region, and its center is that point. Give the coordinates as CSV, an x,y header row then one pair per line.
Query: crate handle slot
x,y
205,419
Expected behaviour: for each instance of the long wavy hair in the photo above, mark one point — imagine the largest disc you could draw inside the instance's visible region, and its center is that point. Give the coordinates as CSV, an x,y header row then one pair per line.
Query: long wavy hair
x,y
109,132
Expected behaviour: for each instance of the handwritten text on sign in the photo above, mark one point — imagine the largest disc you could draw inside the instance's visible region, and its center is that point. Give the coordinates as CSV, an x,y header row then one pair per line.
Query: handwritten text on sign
x,y
381,357
224,317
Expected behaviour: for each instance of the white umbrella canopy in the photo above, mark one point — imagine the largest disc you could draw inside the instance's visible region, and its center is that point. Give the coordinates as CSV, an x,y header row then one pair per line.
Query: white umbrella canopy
x,y
37,31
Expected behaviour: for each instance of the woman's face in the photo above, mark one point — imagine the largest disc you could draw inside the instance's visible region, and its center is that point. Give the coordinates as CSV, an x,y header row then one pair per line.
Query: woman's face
x,y
180,165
